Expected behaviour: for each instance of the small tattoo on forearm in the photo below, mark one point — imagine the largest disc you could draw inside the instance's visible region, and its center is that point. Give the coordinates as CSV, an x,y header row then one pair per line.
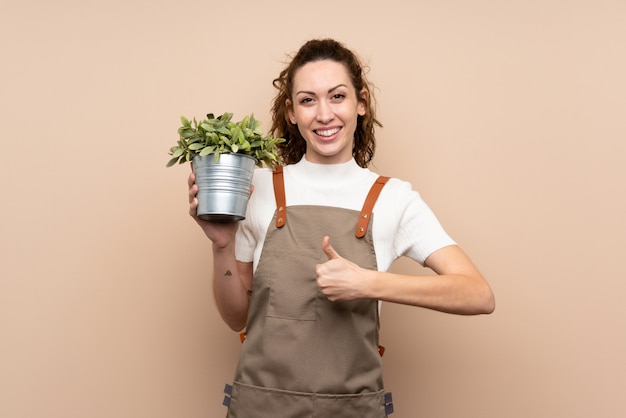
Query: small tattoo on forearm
x,y
228,273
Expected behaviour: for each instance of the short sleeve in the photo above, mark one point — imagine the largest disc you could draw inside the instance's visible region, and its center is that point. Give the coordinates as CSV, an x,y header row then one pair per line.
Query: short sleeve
x,y
244,243
419,233
251,233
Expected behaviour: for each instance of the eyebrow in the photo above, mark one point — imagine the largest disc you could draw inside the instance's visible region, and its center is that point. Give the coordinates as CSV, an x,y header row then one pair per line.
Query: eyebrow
x,y
330,90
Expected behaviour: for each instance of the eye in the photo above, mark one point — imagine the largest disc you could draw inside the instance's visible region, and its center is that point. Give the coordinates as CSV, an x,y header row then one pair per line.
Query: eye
x,y
338,96
306,100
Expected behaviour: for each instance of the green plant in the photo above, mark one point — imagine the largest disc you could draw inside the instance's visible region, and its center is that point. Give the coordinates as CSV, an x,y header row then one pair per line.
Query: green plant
x,y
219,135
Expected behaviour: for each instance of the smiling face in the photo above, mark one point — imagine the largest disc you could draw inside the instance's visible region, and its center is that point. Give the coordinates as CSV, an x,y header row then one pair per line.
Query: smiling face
x,y
325,106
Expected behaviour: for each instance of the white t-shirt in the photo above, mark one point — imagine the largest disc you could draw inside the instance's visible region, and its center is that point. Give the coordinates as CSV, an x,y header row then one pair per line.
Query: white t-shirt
x,y
403,225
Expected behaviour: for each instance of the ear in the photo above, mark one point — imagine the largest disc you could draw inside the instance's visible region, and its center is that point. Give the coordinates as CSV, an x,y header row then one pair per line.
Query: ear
x,y
290,113
363,101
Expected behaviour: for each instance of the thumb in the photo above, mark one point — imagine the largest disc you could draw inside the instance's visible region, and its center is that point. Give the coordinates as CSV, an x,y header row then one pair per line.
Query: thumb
x,y
328,249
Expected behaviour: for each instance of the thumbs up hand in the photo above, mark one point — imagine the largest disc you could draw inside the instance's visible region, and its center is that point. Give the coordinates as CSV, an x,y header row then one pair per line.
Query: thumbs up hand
x,y
338,278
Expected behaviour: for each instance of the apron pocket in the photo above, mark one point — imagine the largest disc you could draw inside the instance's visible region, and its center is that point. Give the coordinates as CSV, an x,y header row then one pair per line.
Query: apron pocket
x,y
363,405
293,294
258,402
254,401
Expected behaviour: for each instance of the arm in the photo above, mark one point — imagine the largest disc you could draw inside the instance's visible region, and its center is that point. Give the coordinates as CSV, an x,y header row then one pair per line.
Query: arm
x,y
231,278
231,281
458,288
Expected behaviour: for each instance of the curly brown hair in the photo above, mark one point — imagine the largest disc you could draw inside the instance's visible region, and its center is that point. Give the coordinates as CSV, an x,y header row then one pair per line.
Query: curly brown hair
x,y
292,150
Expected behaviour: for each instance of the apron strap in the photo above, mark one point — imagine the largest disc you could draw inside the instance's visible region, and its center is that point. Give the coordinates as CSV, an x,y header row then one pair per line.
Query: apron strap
x,y
279,193
368,206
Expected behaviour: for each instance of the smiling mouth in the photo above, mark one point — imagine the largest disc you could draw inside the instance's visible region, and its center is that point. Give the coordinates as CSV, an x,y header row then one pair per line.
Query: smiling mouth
x,y
326,132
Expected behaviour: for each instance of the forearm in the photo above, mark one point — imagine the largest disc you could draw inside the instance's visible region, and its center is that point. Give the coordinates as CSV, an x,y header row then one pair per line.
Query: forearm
x,y
459,287
451,293
230,292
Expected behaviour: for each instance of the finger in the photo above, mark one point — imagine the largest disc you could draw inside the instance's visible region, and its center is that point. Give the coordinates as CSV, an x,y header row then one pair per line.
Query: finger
x,y
328,249
193,191
193,207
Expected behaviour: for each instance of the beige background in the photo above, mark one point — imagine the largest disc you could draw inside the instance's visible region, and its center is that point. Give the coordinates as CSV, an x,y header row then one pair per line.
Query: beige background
x,y
508,117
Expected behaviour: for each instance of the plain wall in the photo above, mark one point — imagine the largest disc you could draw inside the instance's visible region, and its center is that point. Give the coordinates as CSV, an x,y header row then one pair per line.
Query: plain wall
x,y
509,117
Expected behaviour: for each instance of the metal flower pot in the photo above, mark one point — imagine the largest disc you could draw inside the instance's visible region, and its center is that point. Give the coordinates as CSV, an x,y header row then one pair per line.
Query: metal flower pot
x,y
223,187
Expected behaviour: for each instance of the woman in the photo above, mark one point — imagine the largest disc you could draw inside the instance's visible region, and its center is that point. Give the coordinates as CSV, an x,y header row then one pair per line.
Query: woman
x,y
306,269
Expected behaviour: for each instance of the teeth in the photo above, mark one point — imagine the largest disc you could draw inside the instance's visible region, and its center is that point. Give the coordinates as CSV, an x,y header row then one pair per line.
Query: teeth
x,y
328,132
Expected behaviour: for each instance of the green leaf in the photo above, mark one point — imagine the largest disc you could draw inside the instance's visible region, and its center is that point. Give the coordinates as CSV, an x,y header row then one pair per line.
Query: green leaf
x,y
187,133
240,136
172,162
234,148
177,152
225,140
213,138
245,122
196,146
223,130
266,156
207,127
207,151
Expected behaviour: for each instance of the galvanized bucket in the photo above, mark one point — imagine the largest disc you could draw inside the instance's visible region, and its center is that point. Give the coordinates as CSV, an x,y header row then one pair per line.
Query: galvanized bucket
x,y
223,187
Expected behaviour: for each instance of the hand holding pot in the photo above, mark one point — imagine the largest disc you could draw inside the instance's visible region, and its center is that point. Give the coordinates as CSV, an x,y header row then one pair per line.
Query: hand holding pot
x,y
220,233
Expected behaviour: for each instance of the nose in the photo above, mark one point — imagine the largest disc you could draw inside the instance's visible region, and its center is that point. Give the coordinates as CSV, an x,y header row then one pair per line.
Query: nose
x,y
324,112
